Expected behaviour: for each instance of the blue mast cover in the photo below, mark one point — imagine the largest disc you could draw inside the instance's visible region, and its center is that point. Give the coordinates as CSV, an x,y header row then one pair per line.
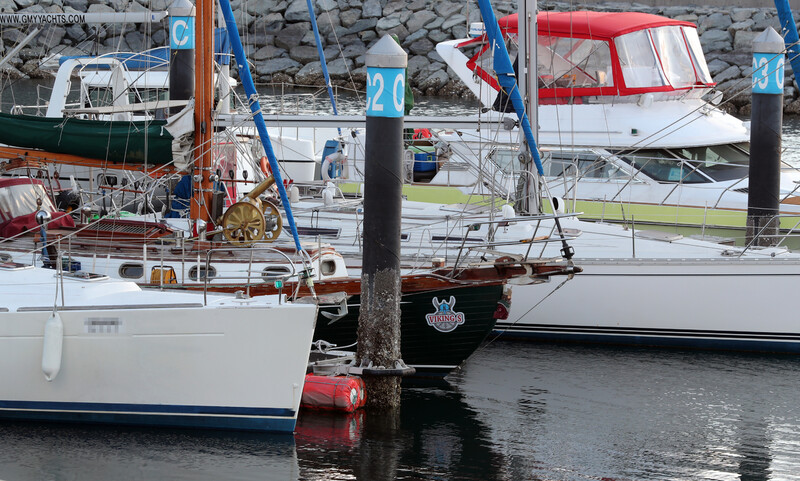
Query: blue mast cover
x,y
321,53
506,77
789,31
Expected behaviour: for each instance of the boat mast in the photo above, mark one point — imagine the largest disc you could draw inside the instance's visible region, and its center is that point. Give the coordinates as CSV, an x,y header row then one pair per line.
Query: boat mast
x,y
203,109
527,80
322,61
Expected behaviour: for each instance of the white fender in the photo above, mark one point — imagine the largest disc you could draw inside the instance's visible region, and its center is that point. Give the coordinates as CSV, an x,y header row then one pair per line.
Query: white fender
x,y
52,346
294,194
327,197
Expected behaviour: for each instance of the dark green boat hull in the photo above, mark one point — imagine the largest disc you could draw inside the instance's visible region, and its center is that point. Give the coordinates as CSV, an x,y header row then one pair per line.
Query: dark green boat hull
x,y
135,142
430,351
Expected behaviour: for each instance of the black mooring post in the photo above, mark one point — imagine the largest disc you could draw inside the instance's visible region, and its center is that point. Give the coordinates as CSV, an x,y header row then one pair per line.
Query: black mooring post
x,y
181,57
765,138
379,317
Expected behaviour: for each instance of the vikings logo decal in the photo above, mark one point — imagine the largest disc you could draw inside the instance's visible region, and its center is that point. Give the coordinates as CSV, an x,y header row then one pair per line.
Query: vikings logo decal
x,y
445,319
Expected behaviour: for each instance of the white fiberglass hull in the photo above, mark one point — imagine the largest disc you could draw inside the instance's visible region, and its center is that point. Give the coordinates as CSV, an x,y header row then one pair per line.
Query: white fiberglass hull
x,y
637,287
725,304
151,358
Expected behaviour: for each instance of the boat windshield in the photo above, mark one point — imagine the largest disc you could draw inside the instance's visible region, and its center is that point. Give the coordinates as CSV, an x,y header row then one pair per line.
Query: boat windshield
x,y
507,160
573,62
662,56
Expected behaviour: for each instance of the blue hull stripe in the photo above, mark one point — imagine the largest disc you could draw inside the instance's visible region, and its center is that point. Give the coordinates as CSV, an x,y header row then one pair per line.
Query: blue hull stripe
x,y
733,340
216,417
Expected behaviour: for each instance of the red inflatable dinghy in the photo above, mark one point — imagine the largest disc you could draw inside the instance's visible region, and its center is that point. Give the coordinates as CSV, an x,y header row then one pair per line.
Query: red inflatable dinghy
x,y
333,393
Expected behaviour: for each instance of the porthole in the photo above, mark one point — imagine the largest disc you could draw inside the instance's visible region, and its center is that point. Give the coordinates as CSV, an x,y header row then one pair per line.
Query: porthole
x,y
131,271
327,268
193,273
270,273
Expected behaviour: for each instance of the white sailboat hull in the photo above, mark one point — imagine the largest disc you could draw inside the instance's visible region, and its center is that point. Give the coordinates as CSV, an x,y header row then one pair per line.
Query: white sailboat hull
x,y
153,358
726,304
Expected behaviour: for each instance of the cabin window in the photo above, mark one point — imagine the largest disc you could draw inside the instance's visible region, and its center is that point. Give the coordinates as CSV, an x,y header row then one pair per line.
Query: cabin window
x,y
664,166
573,62
148,95
588,165
720,162
327,268
203,275
271,273
131,271
638,60
100,96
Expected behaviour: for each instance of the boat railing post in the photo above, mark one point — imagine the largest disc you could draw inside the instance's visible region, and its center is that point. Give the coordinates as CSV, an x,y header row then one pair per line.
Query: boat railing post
x,y
249,271
633,236
161,276
603,211
705,219
60,268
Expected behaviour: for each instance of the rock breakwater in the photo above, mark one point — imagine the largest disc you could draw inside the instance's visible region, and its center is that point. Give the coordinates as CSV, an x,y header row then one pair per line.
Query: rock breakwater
x,y
281,45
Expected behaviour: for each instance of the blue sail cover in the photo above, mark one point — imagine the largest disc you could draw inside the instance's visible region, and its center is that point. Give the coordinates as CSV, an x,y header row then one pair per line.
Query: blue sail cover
x,y
506,77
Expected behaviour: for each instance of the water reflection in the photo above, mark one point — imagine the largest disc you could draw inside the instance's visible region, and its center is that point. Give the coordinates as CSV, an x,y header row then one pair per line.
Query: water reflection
x,y
434,436
34,451
580,412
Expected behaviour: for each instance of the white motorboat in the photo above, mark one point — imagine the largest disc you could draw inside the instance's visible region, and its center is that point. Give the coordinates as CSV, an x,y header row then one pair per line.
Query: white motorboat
x,y
625,125
85,348
628,119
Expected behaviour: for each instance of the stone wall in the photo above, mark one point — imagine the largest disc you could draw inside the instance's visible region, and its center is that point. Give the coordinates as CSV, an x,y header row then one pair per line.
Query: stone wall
x,y
281,44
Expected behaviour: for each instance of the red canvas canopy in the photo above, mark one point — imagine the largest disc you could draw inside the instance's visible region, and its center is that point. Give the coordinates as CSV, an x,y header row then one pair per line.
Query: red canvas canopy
x,y
580,52
587,24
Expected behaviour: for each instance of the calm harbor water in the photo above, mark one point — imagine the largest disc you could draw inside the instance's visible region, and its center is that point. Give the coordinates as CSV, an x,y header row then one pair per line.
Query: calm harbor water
x,y
516,411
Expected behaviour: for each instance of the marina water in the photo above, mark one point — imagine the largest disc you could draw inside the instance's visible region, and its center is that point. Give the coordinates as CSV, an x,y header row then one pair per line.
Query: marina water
x,y
514,411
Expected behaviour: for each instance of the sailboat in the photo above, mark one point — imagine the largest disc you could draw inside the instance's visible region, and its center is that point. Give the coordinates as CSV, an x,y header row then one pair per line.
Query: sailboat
x,y
179,254
82,347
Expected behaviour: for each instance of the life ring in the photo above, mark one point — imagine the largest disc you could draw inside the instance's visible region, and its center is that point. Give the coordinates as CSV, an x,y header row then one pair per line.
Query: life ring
x,y
333,166
265,167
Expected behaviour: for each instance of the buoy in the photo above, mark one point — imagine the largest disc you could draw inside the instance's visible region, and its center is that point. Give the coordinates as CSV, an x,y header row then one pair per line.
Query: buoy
x,y
333,393
52,346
